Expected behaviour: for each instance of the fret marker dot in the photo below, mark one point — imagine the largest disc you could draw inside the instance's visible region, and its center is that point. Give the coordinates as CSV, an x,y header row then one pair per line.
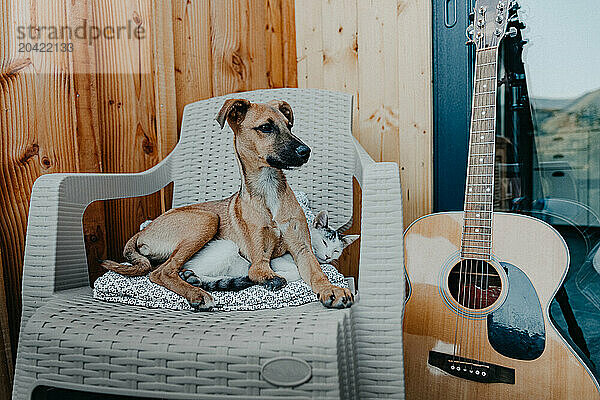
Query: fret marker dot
x,y
470,189
485,85
483,113
481,137
476,229
481,160
487,190
477,215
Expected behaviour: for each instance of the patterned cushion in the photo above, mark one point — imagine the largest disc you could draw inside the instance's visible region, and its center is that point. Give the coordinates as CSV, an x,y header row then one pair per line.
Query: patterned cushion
x,y
140,291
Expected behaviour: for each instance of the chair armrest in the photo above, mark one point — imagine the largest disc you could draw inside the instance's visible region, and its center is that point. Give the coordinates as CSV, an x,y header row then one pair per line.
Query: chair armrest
x,y
362,160
55,256
378,315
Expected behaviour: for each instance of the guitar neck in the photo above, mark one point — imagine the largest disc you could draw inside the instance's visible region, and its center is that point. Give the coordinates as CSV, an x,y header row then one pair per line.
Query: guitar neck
x,y
476,240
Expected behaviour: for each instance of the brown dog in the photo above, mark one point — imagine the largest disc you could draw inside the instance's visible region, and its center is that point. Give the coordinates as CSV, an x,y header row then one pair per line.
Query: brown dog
x,y
263,218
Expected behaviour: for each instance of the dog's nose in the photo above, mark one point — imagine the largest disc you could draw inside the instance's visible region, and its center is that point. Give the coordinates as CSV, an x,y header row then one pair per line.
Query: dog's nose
x,y
303,151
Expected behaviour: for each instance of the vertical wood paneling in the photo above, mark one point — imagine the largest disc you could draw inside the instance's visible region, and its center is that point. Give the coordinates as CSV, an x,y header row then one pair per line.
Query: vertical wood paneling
x,y
128,111
381,54
415,112
340,49
36,125
230,58
92,110
6,362
290,71
84,100
226,46
377,83
193,52
309,44
116,105
164,89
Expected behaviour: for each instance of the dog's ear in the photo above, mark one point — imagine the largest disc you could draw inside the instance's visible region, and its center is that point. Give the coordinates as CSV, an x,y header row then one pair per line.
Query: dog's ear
x,y
234,111
285,109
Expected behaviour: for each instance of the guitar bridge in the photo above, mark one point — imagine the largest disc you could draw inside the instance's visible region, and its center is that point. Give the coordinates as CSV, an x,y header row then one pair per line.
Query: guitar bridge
x,y
472,370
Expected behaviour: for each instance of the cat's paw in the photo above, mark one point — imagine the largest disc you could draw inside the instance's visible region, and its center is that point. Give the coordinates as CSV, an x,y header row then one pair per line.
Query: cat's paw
x,y
335,297
275,283
189,276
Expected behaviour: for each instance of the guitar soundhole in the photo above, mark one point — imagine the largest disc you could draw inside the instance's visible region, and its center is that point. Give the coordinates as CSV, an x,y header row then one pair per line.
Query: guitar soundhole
x,y
474,284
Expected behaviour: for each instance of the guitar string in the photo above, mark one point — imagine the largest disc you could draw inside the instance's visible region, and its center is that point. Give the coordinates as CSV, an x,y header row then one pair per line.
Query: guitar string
x,y
457,314
482,318
469,307
492,102
469,261
461,295
471,286
487,101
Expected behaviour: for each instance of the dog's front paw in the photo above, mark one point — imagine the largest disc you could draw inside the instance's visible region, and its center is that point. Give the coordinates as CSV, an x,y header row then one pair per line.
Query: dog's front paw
x,y
202,302
275,283
335,297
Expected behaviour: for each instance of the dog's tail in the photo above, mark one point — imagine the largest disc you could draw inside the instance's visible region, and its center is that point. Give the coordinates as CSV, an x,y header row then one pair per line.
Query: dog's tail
x,y
138,264
221,285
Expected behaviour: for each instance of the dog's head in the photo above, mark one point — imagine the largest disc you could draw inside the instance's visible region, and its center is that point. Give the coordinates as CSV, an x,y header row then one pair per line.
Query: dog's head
x,y
263,133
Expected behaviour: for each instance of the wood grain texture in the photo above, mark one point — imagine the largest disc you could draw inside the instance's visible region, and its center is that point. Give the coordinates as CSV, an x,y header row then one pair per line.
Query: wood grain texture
x,y
37,125
380,51
6,360
231,46
84,100
164,86
130,115
348,263
429,323
415,112
108,106
193,52
116,105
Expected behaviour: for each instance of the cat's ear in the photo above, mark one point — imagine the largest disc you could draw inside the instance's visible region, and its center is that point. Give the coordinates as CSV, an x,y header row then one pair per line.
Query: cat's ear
x,y
349,239
321,220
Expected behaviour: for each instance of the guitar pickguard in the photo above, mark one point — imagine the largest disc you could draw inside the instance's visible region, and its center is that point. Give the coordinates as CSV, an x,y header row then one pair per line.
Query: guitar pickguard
x,y
516,329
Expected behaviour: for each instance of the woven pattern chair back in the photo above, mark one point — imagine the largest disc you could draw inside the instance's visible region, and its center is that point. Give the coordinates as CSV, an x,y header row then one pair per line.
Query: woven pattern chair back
x,y
205,168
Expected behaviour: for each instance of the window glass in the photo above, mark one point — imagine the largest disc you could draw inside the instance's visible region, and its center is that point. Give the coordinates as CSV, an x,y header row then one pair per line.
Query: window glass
x,y
548,145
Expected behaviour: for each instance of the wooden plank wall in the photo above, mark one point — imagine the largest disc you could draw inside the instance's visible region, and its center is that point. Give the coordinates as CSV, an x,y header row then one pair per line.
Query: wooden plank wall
x,y
6,362
225,46
116,106
380,51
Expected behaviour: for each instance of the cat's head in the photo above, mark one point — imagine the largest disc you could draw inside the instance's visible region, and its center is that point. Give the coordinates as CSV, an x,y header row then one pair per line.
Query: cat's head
x,y
327,243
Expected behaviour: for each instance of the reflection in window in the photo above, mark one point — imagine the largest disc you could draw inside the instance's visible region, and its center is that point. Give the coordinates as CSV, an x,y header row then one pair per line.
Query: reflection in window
x,y
548,144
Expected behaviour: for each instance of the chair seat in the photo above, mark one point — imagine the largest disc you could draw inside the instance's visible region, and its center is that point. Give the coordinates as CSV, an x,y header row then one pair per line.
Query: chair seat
x,y
77,342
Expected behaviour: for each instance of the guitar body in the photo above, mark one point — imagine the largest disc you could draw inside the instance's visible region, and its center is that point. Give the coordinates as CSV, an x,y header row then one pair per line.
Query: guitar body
x,y
515,333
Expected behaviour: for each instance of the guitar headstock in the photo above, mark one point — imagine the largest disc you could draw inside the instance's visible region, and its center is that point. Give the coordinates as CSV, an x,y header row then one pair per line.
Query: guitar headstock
x,y
490,22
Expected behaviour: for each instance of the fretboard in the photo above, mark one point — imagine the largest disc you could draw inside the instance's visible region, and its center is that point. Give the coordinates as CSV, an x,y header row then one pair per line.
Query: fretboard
x,y
479,190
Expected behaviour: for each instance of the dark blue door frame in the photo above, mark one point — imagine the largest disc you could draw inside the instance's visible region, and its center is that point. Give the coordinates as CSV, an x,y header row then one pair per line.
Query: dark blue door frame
x,y
452,81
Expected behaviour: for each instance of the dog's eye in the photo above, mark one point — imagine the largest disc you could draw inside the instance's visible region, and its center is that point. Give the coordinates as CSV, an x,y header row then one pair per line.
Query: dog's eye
x,y
265,128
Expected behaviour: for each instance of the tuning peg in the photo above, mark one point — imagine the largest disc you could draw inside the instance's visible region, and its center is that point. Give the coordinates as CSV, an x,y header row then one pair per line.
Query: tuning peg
x,y
514,6
469,34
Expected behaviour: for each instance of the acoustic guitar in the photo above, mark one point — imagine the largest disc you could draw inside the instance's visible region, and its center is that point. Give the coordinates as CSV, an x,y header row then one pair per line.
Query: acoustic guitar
x,y
476,322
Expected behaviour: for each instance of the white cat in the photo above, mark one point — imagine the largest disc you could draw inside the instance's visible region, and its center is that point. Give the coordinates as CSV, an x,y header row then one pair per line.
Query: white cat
x,y
219,265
